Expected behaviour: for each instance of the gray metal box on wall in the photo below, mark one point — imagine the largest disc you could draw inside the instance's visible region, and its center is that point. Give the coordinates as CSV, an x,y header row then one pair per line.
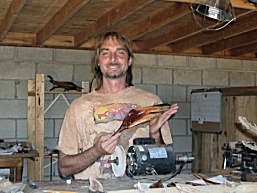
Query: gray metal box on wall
x,y
206,111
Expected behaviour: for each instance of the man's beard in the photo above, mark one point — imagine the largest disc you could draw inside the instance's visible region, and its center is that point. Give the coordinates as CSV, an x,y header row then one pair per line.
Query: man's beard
x,y
114,75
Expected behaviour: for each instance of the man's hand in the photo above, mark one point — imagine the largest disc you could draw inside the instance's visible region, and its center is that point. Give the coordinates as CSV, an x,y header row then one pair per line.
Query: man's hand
x,y
156,124
106,143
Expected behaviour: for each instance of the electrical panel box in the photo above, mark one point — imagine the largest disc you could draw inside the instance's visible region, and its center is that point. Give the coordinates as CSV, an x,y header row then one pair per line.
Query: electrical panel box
x,y
206,111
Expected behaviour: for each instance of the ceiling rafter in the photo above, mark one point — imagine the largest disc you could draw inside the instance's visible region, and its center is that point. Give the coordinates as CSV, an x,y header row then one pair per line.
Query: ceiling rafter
x,y
162,17
244,49
185,26
153,26
243,4
21,39
11,14
232,42
118,13
243,23
59,19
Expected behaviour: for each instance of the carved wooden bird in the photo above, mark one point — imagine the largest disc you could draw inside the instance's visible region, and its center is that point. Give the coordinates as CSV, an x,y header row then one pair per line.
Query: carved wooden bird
x,y
142,115
62,84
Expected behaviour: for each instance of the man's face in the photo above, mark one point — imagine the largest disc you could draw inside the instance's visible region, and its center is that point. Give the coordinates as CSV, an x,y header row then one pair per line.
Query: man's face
x,y
113,59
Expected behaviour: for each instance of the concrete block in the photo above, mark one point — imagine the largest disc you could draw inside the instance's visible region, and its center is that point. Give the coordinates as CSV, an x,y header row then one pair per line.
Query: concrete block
x,y
179,93
182,144
215,78
60,97
147,87
60,72
7,52
73,56
165,92
22,131
57,110
165,61
49,128
202,63
229,64
137,75
249,65
47,168
57,127
34,54
189,123
47,165
178,127
21,89
171,93
187,77
13,108
50,143
7,129
180,62
82,72
17,70
145,60
7,89
242,79
184,110
157,76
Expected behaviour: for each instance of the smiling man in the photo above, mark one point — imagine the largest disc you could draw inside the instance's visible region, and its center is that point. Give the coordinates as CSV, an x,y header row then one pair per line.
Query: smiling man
x,y
86,141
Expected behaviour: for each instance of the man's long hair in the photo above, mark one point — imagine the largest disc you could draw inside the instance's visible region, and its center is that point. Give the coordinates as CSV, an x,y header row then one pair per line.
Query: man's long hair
x,y
98,76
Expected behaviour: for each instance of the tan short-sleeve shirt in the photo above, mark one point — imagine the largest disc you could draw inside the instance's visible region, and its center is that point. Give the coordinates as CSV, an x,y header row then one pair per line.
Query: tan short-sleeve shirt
x,y
93,113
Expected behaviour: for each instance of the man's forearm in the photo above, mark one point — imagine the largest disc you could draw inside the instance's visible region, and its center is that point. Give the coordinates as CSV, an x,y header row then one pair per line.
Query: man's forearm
x,y
72,164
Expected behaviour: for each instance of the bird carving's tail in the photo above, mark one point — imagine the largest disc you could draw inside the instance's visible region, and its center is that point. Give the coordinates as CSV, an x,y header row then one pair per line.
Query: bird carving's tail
x,y
51,79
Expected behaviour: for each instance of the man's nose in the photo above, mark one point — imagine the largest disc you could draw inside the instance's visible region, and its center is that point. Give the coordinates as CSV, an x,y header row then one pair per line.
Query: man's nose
x,y
113,57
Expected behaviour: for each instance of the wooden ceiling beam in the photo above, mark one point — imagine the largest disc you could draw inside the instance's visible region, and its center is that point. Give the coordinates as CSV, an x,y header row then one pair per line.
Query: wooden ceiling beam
x,y
154,22
244,22
59,19
60,41
21,39
243,4
244,49
184,26
235,41
11,14
108,19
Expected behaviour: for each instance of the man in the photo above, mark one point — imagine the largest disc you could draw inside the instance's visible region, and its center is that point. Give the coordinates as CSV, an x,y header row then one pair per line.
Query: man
x,y
86,141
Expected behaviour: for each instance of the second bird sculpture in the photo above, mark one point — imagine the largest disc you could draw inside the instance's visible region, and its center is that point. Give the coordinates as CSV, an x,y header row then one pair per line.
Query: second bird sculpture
x,y
63,84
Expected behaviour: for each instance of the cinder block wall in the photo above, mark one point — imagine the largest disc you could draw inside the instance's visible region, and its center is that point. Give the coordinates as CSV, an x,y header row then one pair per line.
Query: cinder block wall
x,y
170,77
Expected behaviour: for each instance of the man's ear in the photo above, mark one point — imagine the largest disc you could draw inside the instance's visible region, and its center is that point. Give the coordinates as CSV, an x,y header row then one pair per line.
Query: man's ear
x,y
130,61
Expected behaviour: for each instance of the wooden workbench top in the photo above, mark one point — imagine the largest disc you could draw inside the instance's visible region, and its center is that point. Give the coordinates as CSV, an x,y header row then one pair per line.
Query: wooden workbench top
x,y
126,185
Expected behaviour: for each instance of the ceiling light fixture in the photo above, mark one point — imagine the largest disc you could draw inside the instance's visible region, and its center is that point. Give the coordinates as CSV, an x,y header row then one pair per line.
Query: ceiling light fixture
x,y
220,10
253,1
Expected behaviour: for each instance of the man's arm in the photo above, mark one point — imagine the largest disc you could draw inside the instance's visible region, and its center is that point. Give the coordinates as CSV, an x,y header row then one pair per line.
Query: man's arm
x,y
72,164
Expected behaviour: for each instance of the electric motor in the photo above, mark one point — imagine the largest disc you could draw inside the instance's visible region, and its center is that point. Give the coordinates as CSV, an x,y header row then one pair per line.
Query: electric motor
x,y
150,159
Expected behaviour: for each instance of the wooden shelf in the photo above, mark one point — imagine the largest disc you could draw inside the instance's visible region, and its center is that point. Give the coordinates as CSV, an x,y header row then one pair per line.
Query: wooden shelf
x,y
35,120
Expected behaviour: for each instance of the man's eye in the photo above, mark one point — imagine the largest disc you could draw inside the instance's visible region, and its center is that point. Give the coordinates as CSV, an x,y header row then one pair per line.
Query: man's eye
x,y
104,53
121,52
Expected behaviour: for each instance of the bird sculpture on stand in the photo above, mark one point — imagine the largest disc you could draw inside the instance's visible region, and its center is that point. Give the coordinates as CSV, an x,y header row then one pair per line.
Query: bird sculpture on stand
x,y
67,86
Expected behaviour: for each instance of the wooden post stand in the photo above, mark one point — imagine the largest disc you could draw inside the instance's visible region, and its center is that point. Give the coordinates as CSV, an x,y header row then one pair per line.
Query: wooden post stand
x,y
36,125
36,111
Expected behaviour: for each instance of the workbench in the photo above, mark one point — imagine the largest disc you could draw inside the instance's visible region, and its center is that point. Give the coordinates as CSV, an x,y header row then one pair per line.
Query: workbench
x,y
14,161
126,185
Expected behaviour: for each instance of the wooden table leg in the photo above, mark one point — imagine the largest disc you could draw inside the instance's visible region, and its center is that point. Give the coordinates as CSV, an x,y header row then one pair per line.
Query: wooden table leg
x,y
19,169
15,165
